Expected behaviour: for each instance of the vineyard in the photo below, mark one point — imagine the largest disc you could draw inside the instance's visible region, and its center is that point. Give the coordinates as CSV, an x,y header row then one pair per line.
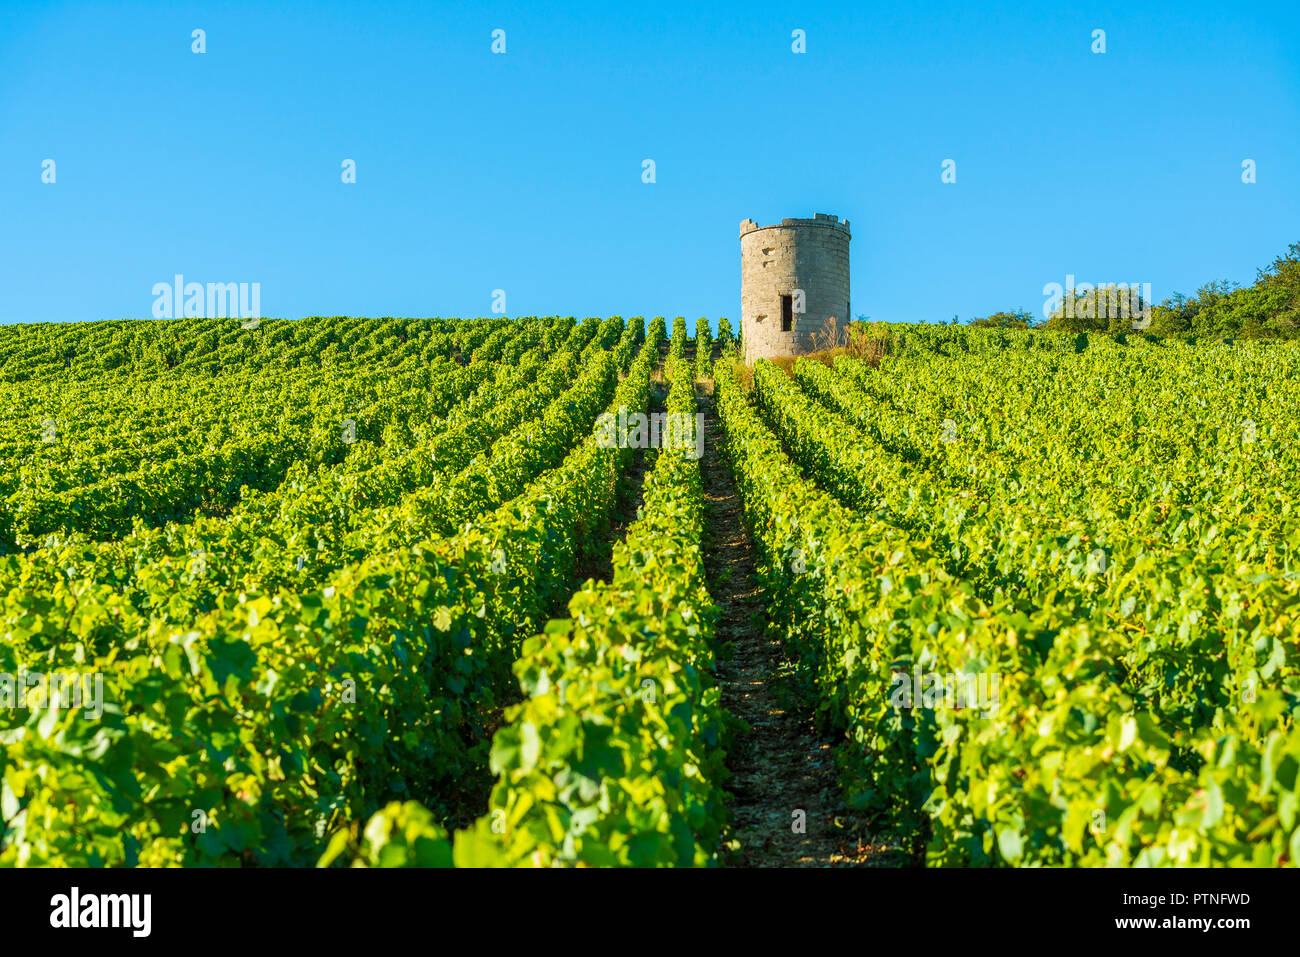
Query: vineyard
x,y
381,592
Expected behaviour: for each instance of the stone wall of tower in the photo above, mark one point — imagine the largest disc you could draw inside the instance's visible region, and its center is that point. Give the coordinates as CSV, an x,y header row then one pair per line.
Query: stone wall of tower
x,y
807,254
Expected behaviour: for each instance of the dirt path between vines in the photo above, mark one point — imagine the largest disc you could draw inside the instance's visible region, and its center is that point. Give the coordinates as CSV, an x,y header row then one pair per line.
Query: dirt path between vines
x,y
780,765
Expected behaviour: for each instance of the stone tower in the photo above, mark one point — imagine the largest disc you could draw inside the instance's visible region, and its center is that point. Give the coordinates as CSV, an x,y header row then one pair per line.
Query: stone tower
x,y
802,262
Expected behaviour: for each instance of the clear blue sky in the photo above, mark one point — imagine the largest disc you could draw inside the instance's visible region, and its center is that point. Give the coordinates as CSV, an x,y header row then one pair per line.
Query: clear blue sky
x,y
522,171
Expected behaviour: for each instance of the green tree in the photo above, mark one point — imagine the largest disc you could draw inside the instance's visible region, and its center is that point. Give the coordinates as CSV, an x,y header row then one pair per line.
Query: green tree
x,y
1111,309
1020,319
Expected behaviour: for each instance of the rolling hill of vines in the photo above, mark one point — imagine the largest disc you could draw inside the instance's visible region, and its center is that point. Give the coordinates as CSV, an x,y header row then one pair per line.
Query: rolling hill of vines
x,y
377,592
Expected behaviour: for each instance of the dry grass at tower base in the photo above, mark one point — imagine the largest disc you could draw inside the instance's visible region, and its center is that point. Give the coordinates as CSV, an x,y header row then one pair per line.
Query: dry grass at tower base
x,y
866,342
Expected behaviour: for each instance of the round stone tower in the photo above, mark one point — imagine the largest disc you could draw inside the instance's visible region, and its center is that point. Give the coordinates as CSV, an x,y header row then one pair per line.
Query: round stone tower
x,y
794,279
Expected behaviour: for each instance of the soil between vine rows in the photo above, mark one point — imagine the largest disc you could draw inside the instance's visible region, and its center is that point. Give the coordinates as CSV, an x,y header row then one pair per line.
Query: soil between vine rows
x,y
779,764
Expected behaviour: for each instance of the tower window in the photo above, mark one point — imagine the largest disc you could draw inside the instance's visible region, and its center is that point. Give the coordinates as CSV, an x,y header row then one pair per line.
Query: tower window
x,y
787,313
